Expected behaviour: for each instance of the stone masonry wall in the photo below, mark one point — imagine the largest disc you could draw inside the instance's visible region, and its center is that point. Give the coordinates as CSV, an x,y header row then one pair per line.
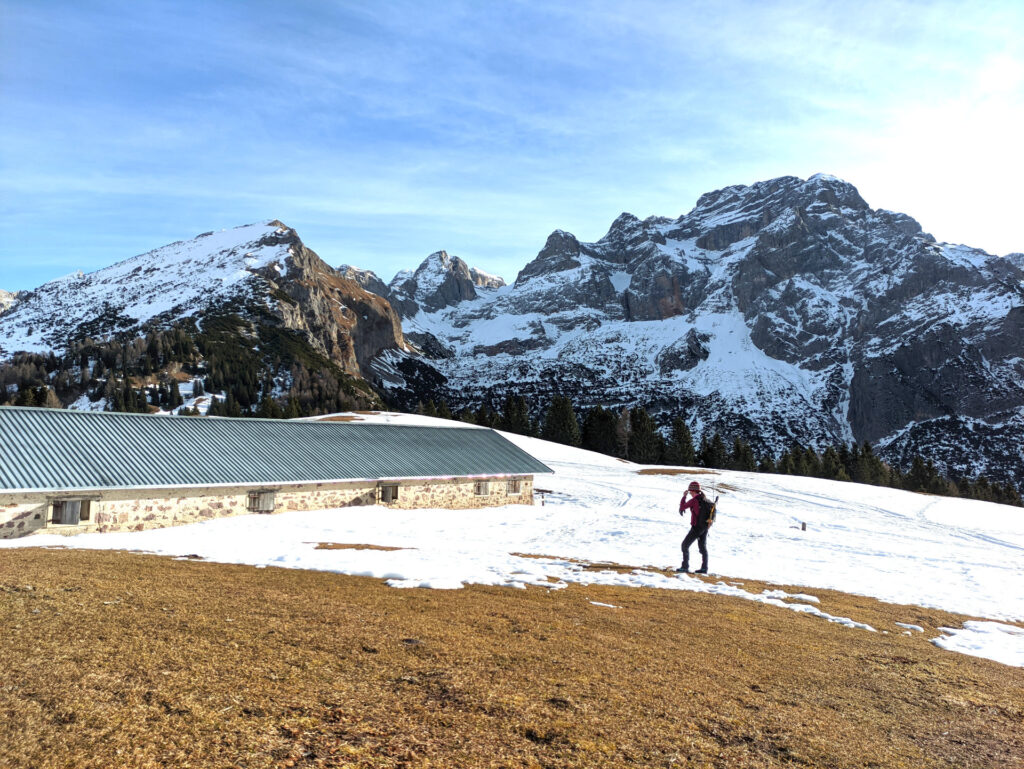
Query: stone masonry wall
x,y
136,510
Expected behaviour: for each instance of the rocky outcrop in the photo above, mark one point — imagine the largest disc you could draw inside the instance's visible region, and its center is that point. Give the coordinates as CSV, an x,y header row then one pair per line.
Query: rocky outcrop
x,y
348,323
365,278
7,300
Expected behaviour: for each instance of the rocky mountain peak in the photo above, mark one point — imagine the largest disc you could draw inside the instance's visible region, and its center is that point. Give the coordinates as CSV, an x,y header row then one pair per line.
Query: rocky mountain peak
x,y
441,280
561,252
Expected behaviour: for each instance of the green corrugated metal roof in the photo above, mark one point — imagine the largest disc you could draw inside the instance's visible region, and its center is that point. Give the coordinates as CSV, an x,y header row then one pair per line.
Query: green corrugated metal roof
x,y
51,450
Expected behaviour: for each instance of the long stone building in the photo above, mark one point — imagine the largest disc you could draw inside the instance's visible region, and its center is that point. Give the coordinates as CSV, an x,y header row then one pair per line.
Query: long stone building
x,y
70,472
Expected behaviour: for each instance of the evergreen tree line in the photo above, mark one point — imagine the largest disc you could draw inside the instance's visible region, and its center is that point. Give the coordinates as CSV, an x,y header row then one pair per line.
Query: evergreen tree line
x,y
631,433
259,371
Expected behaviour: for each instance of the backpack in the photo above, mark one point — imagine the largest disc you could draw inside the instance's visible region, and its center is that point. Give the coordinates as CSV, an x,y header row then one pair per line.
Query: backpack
x,y
706,517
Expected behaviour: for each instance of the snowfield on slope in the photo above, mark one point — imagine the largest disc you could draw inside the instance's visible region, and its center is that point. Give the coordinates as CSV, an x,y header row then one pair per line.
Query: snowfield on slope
x,y
958,555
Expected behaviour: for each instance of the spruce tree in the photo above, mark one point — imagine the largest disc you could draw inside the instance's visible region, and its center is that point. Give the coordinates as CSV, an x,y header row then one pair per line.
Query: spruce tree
x,y
786,465
831,467
742,457
598,431
560,423
622,430
515,416
713,452
679,450
174,398
646,446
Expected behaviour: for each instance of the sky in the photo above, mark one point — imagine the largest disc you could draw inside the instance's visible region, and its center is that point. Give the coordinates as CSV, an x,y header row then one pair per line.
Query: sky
x,y
385,131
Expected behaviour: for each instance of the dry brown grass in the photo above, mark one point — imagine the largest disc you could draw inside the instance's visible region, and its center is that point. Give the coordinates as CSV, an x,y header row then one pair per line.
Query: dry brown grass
x,y
122,659
344,418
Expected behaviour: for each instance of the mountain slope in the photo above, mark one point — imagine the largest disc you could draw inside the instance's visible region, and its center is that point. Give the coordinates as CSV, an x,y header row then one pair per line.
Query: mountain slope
x,y
788,310
259,268
265,307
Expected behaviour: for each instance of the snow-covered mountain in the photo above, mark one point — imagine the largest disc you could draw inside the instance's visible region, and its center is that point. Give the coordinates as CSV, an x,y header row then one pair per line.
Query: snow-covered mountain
x,y
260,272
787,310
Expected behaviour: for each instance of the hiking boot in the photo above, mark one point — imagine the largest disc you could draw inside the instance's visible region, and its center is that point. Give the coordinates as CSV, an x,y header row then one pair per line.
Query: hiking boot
x,y
684,569
702,570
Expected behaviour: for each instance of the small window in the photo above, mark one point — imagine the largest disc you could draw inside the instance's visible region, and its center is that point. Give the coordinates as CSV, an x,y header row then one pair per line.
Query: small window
x,y
71,512
514,487
389,493
262,501
482,488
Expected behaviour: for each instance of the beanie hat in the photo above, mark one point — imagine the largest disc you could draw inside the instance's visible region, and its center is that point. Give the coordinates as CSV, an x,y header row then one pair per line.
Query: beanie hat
x,y
694,486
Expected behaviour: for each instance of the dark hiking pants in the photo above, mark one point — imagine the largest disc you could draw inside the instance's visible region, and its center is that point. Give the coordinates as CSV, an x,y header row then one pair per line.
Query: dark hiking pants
x,y
698,534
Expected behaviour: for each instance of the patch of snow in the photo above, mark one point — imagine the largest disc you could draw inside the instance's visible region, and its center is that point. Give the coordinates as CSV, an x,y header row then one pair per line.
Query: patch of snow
x,y
620,281
957,555
918,628
992,640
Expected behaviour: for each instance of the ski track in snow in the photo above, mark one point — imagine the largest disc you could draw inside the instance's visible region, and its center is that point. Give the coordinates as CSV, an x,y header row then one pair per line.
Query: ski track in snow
x,y
957,555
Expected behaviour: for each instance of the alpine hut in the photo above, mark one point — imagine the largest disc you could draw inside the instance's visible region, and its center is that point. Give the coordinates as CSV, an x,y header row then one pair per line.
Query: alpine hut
x,y
71,471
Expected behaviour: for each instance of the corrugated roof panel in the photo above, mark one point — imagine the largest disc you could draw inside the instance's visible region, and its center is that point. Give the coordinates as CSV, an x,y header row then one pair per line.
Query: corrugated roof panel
x,y
50,449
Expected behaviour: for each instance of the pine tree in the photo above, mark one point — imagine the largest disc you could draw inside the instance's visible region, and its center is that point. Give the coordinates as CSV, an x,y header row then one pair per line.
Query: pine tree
x,y
786,465
515,416
646,446
560,423
713,452
831,467
485,417
622,430
174,398
598,431
742,457
268,408
679,450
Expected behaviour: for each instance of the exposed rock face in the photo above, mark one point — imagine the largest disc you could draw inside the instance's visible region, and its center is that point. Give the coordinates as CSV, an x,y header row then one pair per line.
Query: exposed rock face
x,y
365,278
440,281
262,272
7,300
788,310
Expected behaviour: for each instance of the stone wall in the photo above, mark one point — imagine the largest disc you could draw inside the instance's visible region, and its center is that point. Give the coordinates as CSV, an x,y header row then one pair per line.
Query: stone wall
x,y
136,510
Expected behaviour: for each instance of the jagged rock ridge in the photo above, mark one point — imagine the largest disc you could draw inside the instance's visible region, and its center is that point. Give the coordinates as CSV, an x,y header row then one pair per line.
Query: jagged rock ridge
x,y
787,310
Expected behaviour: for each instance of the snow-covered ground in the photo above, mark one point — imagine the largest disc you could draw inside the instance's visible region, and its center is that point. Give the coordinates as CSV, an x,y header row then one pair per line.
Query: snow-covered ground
x,y
959,555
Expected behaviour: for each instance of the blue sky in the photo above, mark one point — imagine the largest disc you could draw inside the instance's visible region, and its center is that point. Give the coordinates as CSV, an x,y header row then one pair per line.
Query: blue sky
x,y
385,131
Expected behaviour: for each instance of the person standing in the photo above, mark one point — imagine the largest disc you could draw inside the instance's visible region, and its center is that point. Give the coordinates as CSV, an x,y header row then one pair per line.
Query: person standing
x,y
701,509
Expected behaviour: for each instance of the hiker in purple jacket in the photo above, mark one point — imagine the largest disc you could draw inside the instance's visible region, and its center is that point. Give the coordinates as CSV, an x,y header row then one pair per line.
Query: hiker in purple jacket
x,y
699,507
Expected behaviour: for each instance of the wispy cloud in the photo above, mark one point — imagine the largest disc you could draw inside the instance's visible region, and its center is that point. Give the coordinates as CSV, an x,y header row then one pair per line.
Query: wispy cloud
x,y
384,131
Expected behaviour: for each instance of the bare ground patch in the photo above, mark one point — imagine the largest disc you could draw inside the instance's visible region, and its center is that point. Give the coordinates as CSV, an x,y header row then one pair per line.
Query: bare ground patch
x,y
129,660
